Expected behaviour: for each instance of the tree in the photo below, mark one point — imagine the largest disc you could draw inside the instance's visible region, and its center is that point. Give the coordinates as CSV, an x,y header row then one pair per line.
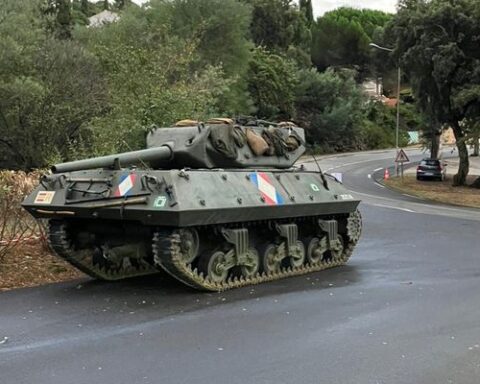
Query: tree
x,y
271,83
220,29
167,85
341,37
62,23
437,43
85,7
280,26
49,90
329,106
306,7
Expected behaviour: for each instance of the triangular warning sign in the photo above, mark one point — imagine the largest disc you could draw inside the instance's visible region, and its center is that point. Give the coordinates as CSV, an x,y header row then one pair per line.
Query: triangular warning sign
x,y
401,157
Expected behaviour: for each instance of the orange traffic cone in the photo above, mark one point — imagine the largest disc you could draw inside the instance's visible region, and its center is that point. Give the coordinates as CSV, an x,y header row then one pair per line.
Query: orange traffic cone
x,y
386,175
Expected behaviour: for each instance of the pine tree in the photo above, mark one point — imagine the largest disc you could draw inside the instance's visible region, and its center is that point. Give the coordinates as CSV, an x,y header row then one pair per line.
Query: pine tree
x,y
64,19
105,5
59,19
85,8
307,8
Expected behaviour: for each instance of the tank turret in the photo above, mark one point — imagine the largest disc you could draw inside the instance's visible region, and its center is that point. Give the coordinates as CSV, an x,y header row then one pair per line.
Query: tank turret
x,y
215,144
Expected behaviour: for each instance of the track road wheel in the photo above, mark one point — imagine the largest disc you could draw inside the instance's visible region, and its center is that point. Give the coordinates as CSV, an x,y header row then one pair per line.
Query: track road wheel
x,y
189,244
214,266
316,250
337,248
271,262
297,257
252,264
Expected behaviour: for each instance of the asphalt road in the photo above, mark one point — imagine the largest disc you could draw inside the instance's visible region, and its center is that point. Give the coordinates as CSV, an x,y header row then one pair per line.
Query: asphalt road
x,y
406,309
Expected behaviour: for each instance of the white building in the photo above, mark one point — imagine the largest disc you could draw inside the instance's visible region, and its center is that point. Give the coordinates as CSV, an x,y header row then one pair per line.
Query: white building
x,y
102,18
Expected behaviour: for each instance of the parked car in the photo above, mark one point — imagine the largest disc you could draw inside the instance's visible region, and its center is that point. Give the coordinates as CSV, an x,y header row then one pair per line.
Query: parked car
x,y
431,169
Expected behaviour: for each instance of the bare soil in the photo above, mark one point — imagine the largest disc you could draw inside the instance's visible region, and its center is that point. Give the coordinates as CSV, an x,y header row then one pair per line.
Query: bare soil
x,y
440,191
31,264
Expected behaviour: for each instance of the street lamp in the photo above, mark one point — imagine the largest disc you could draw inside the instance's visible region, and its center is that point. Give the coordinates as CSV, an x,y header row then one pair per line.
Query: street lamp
x,y
399,74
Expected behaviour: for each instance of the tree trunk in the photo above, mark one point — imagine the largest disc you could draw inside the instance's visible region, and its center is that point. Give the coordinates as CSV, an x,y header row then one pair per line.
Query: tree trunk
x,y
435,144
476,145
463,167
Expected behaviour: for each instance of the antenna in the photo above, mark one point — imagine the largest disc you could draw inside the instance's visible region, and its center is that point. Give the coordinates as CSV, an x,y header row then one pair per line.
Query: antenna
x,y
316,162
324,179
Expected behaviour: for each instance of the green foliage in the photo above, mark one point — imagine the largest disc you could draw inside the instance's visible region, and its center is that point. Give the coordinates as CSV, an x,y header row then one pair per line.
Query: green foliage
x,y
437,41
62,21
49,89
279,25
329,106
379,125
307,8
341,37
98,91
272,81
220,29
164,88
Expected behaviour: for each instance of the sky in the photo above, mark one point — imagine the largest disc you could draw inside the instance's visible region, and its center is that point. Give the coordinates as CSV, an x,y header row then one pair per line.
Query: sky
x,y
322,6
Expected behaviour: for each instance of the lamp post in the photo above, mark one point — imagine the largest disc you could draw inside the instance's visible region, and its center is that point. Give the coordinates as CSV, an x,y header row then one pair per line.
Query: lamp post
x,y
399,74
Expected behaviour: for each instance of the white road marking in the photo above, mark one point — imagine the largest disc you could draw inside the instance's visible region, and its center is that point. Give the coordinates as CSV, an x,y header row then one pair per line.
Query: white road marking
x,y
379,185
415,197
369,176
378,169
398,208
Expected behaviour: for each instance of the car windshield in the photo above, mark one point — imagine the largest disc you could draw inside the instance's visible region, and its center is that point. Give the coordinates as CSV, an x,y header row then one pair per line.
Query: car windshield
x,y
430,162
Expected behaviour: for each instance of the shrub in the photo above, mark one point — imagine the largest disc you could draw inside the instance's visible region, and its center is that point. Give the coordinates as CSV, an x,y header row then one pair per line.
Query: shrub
x,y
16,225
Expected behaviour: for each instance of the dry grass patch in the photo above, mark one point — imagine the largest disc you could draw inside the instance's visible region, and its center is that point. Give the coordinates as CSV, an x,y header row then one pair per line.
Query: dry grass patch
x,y
25,259
440,191
31,264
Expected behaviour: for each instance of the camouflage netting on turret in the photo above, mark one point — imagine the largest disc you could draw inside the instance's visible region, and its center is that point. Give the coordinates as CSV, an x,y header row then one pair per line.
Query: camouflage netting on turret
x,y
277,140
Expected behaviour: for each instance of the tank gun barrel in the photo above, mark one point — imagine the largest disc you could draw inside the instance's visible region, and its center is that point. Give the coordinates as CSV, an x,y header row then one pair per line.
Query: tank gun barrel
x,y
155,154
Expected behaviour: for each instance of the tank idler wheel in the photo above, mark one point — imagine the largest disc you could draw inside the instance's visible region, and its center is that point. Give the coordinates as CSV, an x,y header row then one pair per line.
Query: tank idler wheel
x,y
271,258
214,266
297,255
189,244
337,248
316,250
251,264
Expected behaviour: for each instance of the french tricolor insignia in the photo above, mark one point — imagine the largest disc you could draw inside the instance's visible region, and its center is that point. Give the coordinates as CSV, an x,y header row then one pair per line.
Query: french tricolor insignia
x,y
126,184
266,188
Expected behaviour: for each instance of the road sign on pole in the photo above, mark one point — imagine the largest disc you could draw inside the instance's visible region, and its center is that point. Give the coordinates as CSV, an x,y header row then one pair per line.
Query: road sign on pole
x,y
402,157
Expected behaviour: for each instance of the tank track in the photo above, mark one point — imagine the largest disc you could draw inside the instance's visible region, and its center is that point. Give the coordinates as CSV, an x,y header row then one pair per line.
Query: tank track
x,y
168,255
60,242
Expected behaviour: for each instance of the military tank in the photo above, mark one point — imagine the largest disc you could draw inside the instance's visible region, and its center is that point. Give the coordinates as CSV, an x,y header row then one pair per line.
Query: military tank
x,y
216,205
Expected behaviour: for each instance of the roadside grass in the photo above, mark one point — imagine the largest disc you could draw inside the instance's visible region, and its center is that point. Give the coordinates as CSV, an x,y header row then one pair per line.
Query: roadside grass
x,y
440,191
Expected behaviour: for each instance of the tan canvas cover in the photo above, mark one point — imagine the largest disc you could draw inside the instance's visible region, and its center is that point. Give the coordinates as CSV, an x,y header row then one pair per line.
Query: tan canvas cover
x,y
257,143
186,123
220,120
